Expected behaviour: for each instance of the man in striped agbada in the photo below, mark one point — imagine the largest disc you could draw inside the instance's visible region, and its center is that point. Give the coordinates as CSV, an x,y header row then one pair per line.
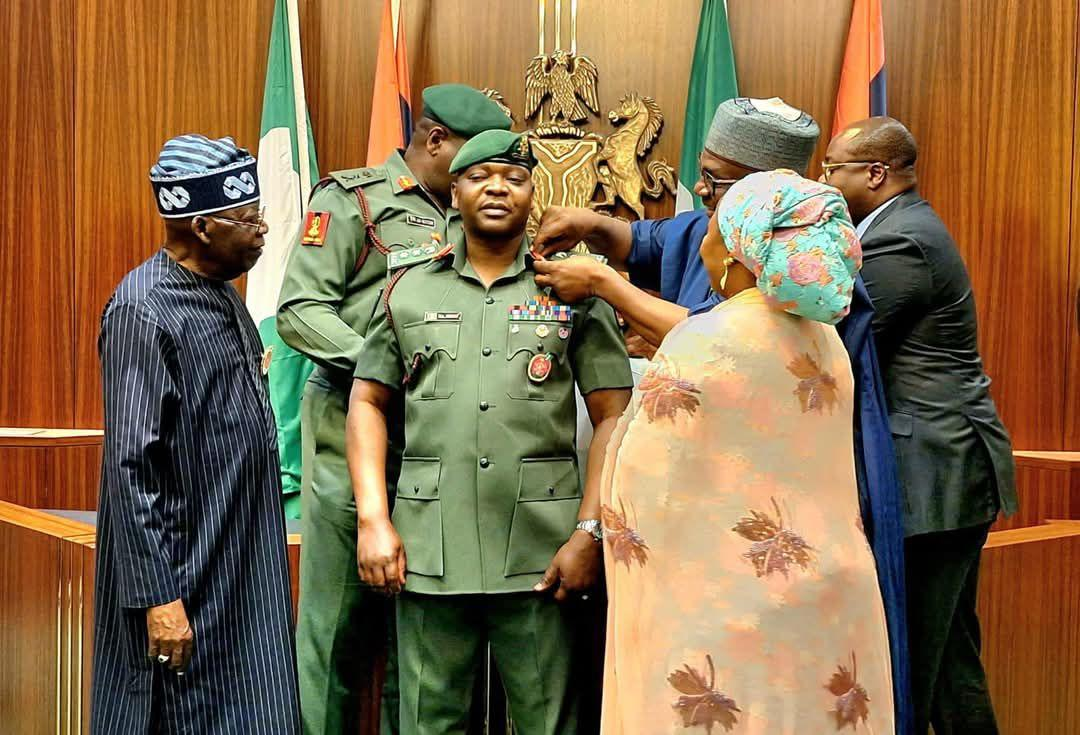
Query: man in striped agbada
x,y
193,629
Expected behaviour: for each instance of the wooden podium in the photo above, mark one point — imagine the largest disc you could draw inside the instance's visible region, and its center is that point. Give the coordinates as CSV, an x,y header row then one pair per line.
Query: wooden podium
x,y
1029,600
47,618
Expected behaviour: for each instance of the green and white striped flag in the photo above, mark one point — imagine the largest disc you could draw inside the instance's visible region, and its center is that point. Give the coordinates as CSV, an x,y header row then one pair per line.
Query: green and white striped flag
x,y
287,171
287,166
712,80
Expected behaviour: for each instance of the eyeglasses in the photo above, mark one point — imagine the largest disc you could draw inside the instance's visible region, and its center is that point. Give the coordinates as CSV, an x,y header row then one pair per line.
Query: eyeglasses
x,y
826,168
256,223
712,182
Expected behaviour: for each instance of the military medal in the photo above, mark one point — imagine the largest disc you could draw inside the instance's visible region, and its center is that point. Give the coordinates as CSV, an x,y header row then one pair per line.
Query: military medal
x,y
540,367
564,333
266,359
542,331
514,329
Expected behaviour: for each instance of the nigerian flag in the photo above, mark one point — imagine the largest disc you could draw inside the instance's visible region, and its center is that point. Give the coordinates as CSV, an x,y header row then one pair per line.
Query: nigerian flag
x,y
712,80
287,170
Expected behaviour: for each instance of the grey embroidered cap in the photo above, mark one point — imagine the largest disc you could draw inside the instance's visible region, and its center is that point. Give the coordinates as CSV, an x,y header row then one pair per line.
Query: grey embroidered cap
x,y
763,134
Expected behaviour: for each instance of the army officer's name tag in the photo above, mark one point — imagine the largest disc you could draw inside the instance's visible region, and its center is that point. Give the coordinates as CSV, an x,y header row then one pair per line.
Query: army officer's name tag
x,y
415,219
442,316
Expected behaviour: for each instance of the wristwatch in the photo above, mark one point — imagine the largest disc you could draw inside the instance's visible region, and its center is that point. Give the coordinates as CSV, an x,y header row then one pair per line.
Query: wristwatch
x,y
591,527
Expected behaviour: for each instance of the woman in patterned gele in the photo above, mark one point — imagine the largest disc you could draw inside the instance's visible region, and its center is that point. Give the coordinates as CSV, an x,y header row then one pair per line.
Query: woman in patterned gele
x,y
743,594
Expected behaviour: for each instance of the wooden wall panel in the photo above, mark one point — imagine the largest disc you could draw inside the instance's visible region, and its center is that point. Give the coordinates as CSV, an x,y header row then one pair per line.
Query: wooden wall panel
x,y
47,566
792,49
644,46
967,76
76,633
1029,608
339,40
1072,336
26,471
60,476
37,384
145,72
29,588
1047,489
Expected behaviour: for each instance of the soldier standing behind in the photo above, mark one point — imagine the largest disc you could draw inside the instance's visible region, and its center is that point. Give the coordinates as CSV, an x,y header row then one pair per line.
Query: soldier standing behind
x,y
330,290
490,516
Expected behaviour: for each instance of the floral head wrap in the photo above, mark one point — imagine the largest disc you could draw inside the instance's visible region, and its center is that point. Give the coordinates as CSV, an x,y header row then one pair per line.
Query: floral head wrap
x,y
796,237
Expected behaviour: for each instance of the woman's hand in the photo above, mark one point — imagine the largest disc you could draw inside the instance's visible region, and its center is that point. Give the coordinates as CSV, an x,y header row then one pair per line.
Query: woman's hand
x,y
573,279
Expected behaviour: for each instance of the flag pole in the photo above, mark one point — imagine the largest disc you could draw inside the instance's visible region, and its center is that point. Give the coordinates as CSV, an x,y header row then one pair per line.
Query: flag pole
x,y
558,24
541,7
299,101
573,27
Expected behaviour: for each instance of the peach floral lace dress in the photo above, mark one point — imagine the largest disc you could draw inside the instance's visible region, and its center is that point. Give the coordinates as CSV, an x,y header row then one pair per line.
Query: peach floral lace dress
x,y
743,595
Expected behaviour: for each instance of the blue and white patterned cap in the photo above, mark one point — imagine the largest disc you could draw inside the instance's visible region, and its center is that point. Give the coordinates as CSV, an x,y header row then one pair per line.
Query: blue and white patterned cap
x,y
196,175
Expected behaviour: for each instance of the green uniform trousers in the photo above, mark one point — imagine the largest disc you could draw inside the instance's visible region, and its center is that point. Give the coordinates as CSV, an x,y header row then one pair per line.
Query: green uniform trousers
x,y
342,626
442,640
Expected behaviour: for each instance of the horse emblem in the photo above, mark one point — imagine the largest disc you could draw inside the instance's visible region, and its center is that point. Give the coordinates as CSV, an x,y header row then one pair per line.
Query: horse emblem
x,y
574,163
617,162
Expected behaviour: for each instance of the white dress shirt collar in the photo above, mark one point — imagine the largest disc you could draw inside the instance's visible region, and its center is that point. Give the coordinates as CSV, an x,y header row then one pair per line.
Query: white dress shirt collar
x,y
868,220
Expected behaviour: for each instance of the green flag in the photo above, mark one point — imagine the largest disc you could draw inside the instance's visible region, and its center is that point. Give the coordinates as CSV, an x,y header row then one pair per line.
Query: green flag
x,y
287,171
712,80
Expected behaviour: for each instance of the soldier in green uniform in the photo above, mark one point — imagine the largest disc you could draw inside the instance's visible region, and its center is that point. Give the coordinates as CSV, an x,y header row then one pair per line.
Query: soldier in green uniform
x,y
330,291
491,529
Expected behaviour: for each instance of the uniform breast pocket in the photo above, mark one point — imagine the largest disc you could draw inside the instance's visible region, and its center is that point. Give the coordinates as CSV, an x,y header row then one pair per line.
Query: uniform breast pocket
x,y
430,351
537,360
397,233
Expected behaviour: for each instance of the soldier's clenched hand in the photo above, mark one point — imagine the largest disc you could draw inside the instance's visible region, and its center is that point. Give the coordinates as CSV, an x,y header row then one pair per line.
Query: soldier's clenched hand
x,y
380,556
575,569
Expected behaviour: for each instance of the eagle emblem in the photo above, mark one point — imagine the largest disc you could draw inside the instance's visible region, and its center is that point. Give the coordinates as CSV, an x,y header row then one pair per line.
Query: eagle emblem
x,y
569,80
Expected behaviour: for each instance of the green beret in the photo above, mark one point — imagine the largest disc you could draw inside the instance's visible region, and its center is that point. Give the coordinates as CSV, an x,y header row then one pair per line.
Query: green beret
x,y
500,146
463,109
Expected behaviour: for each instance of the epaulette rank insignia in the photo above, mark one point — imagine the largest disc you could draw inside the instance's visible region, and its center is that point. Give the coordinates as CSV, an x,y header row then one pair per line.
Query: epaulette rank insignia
x,y
354,177
405,258
412,256
563,255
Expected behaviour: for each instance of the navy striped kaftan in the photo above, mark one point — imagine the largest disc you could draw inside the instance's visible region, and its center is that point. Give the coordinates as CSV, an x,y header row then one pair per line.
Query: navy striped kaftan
x,y
190,508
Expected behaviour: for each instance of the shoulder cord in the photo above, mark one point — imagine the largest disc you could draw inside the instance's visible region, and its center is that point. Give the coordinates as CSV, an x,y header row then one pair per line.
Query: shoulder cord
x,y
417,359
372,237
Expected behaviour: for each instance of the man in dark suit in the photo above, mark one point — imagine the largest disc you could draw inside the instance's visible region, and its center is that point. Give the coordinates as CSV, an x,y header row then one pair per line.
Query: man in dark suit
x,y
954,456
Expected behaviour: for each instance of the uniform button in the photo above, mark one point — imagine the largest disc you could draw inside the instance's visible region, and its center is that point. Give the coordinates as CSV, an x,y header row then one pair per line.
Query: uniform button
x,y
486,351
484,462
484,405
416,488
539,347
427,348
551,490
489,300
